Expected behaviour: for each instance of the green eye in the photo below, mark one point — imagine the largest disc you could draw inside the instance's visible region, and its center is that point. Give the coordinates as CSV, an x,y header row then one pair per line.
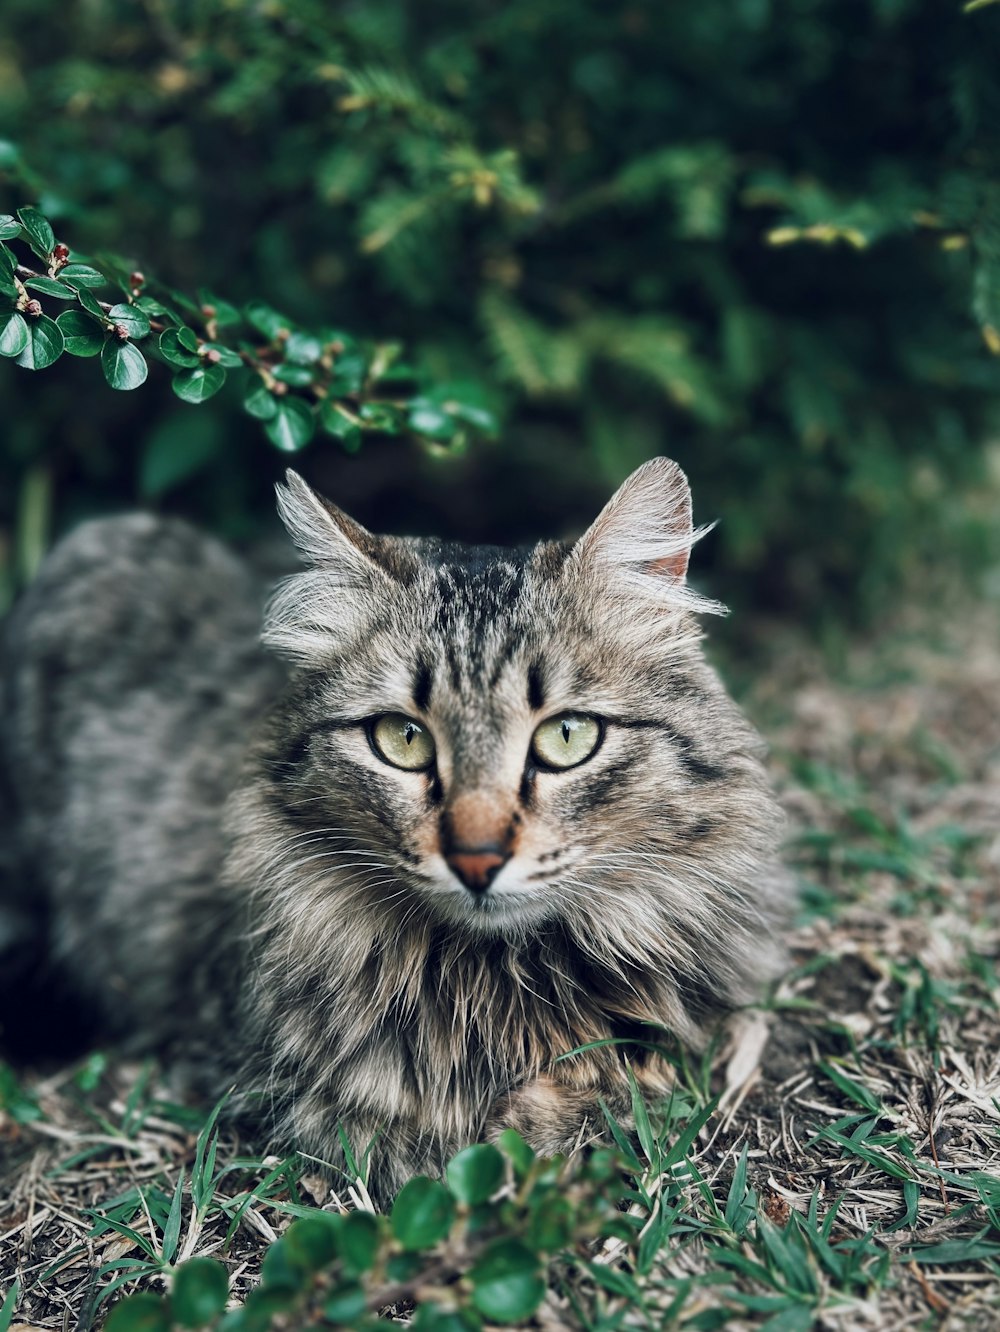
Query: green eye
x,y
565,741
403,742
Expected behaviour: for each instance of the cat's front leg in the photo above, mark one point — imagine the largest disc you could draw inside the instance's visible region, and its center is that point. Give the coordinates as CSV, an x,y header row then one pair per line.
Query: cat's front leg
x,y
558,1117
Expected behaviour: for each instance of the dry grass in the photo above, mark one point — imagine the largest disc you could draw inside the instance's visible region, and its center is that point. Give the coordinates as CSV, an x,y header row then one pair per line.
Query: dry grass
x,y
873,1077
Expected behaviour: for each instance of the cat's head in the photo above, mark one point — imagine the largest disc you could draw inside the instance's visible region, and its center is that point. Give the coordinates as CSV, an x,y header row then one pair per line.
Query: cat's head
x,y
496,738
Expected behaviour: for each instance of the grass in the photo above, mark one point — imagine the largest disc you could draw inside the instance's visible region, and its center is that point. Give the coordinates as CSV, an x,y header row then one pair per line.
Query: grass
x,y
833,1163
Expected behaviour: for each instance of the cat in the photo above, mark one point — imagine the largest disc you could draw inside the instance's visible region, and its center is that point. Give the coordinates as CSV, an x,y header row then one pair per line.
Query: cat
x,y
465,811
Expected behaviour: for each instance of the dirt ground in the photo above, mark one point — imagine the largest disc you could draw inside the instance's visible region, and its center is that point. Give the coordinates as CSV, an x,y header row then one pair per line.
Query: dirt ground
x,y
885,1034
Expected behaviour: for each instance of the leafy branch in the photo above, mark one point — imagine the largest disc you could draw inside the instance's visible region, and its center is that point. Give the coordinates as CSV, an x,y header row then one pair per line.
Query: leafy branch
x,y
300,380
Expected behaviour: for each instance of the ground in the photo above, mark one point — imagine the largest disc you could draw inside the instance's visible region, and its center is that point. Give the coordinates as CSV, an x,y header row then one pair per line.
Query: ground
x,y
862,1101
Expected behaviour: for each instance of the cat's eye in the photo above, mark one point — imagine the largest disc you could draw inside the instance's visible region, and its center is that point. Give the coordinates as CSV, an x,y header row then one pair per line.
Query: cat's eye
x,y
566,740
403,742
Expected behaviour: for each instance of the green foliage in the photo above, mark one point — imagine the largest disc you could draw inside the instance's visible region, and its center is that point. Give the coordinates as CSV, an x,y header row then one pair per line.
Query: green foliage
x,y
763,237
330,369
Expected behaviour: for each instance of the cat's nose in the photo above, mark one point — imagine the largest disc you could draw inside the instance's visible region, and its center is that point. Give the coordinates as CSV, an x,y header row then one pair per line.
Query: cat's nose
x,y
477,866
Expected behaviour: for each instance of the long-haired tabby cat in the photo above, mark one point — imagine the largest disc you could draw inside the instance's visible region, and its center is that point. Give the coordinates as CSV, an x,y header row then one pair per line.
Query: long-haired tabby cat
x,y
494,807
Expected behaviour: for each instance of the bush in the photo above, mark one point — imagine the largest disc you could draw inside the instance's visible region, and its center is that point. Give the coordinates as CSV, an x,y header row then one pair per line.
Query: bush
x,y
761,236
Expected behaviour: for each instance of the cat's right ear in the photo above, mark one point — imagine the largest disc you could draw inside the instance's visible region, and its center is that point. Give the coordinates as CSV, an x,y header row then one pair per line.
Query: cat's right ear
x,y
351,573
641,541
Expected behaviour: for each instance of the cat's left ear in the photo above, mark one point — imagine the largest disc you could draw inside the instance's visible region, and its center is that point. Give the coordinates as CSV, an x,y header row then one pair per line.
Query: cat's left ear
x,y
329,538
643,536
351,573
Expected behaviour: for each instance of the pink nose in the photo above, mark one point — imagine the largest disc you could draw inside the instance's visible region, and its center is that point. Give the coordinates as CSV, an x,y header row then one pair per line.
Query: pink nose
x,y
477,867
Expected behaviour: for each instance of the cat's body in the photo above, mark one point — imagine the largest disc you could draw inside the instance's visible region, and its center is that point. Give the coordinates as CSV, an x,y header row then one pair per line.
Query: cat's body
x,y
372,890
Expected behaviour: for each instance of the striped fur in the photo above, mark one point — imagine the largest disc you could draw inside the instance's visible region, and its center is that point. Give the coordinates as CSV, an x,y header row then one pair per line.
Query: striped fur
x,y
318,950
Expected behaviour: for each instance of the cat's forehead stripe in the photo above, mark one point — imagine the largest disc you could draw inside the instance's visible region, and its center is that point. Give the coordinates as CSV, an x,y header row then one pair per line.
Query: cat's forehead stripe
x,y
423,684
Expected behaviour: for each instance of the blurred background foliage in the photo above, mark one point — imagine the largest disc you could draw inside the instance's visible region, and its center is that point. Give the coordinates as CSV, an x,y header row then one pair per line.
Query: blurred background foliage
x,y
762,236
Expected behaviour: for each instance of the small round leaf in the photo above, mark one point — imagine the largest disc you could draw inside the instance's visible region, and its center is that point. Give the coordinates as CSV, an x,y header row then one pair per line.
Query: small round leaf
x,y
265,319
175,351
311,1242
124,366
82,336
475,1174
303,348
346,1304
139,1313
44,345
507,1285
199,1292
10,228
260,403
13,334
133,321
359,1241
226,357
298,376
422,1213
197,385
291,428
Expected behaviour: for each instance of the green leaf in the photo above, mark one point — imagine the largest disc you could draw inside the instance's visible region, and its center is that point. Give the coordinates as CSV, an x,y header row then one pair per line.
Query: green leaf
x,y
359,1241
422,1213
10,228
8,263
10,1300
433,423
139,1313
82,275
516,1150
50,287
551,1226
124,366
16,1100
292,426
507,1286
266,320
13,334
224,313
303,349
261,403
853,1090
431,1318
172,1226
277,1272
338,423
188,338
81,335
44,345
346,1304
198,385
91,304
475,1174
298,376
133,321
199,1292
382,416
974,1249
311,1242
225,356
40,235
175,351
